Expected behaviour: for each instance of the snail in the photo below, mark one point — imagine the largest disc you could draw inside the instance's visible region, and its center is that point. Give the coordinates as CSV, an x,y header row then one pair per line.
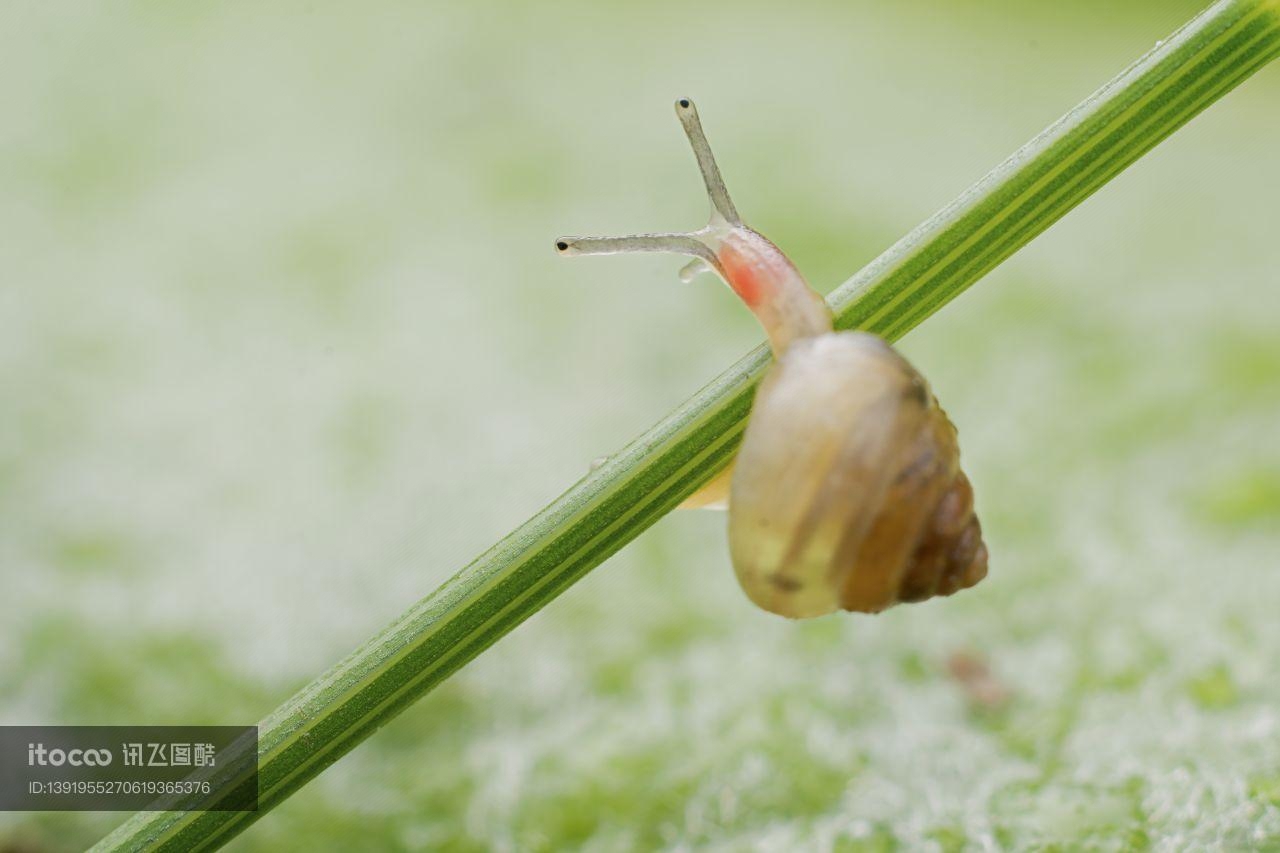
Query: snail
x,y
846,492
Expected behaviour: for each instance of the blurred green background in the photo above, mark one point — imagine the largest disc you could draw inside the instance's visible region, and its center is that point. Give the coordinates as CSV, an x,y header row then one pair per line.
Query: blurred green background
x,y
284,342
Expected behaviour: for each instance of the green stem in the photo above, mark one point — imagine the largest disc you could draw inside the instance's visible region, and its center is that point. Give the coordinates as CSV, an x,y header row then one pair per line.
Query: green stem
x,y
1019,199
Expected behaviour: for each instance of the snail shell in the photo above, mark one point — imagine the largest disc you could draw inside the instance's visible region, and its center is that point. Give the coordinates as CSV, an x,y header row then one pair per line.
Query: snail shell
x,y
847,492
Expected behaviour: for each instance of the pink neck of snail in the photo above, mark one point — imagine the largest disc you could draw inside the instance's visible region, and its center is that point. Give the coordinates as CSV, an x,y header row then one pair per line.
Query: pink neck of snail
x,y
772,288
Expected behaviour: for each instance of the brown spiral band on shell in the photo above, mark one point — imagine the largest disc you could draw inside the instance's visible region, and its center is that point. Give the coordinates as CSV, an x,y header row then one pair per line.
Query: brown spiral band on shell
x,y
951,555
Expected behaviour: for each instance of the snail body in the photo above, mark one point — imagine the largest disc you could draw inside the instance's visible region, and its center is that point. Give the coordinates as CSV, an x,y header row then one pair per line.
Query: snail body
x,y
846,493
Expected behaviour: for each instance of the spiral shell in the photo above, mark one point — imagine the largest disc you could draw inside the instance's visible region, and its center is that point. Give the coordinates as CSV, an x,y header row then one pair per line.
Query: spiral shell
x,y
847,492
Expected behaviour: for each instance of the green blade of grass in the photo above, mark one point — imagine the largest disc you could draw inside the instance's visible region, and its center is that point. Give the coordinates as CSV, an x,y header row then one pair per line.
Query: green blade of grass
x,y
1005,210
